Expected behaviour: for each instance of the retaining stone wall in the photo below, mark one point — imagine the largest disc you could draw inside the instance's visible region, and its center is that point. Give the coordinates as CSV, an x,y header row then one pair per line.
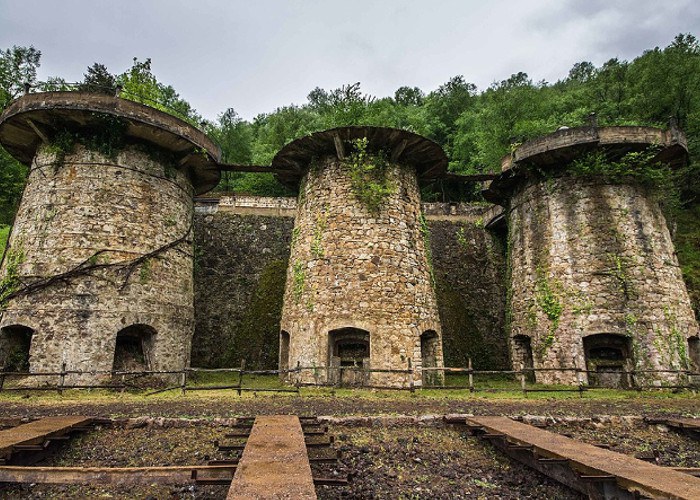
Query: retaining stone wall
x,y
240,271
234,252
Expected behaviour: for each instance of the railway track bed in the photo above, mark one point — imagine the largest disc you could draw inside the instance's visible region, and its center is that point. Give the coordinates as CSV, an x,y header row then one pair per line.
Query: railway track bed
x,y
439,461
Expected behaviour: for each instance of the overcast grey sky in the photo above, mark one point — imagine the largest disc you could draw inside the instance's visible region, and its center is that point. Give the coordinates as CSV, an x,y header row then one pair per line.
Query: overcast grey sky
x,y
257,55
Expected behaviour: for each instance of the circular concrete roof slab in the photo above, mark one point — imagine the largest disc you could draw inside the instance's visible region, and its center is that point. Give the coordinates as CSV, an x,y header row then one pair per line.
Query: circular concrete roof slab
x,y
560,148
33,118
404,147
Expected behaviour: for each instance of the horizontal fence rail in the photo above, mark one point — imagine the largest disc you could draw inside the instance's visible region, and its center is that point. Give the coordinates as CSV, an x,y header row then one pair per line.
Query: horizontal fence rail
x,y
187,379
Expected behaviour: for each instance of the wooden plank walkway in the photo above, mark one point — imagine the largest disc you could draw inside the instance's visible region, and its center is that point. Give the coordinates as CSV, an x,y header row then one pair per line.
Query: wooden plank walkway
x,y
274,463
119,476
630,473
37,432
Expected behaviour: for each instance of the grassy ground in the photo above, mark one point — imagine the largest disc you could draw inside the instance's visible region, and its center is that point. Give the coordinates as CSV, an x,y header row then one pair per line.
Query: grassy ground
x,y
4,234
486,386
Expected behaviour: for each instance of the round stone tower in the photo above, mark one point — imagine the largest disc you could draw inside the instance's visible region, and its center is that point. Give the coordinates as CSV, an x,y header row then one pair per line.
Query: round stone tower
x,y
98,269
595,284
359,289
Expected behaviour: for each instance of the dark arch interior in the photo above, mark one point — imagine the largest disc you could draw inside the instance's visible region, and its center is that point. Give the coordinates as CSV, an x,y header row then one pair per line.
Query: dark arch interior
x,y
522,356
16,341
133,348
348,347
351,345
429,344
284,350
608,356
694,353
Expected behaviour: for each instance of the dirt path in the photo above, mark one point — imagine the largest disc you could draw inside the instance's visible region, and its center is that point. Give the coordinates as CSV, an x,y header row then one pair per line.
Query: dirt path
x,y
268,405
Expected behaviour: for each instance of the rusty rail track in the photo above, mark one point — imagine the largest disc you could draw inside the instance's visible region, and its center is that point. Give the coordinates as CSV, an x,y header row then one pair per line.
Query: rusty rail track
x,y
591,470
275,458
278,451
688,426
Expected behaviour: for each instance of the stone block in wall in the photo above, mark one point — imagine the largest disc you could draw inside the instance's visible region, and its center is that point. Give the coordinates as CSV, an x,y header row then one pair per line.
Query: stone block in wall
x,y
240,269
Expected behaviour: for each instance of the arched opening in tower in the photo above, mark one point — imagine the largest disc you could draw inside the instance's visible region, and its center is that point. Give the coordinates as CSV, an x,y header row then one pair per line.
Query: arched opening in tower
x,y
522,356
15,343
429,346
608,357
284,352
348,354
133,348
694,353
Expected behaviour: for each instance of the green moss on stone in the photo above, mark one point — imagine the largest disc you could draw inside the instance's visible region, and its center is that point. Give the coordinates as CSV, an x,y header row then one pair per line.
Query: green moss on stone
x,y
257,340
4,235
687,241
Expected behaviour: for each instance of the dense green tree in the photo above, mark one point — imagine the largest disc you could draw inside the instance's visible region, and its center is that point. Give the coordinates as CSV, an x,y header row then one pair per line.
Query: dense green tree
x,y
98,79
139,84
409,96
444,106
18,67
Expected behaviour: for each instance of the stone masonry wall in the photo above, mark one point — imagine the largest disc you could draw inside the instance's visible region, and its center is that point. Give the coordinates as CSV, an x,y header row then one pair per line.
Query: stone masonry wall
x,y
240,271
592,259
469,263
350,268
87,210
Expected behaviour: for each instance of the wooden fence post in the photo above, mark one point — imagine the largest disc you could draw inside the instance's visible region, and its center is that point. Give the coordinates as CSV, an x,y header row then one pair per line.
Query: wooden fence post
x,y
471,374
298,377
2,378
183,381
240,376
579,380
62,378
522,379
411,374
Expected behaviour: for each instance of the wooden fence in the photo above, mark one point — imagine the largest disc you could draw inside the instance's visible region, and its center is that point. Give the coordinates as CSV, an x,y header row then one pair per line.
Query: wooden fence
x,y
121,380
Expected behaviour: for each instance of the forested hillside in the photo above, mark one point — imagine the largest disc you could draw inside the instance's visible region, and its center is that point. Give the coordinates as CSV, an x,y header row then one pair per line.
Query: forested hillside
x,y
475,127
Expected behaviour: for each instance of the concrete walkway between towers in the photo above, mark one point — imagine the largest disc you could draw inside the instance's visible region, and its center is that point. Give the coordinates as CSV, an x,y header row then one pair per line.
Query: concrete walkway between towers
x,y
274,463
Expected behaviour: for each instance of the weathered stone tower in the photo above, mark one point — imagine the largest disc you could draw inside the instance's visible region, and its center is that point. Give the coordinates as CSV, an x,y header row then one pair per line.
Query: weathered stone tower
x,y
100,257
594,280
359,290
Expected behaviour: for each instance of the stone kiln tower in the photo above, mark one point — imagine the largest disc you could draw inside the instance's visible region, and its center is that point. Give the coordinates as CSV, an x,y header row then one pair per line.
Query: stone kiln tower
x,y
359,291
100,256
594,280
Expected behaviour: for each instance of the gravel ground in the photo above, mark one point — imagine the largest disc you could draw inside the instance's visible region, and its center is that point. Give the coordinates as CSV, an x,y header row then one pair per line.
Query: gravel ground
x,y
435,463
231,406
404,461
393,462
655,443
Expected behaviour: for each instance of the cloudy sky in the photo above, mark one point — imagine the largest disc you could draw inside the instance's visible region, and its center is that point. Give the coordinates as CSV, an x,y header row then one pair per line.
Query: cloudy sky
x,y
256,55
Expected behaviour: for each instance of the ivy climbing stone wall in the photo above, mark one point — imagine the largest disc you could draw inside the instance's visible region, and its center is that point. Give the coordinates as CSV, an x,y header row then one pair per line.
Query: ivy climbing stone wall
x,y
242,252
92,219
240,271
354,267
588,259
470,267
